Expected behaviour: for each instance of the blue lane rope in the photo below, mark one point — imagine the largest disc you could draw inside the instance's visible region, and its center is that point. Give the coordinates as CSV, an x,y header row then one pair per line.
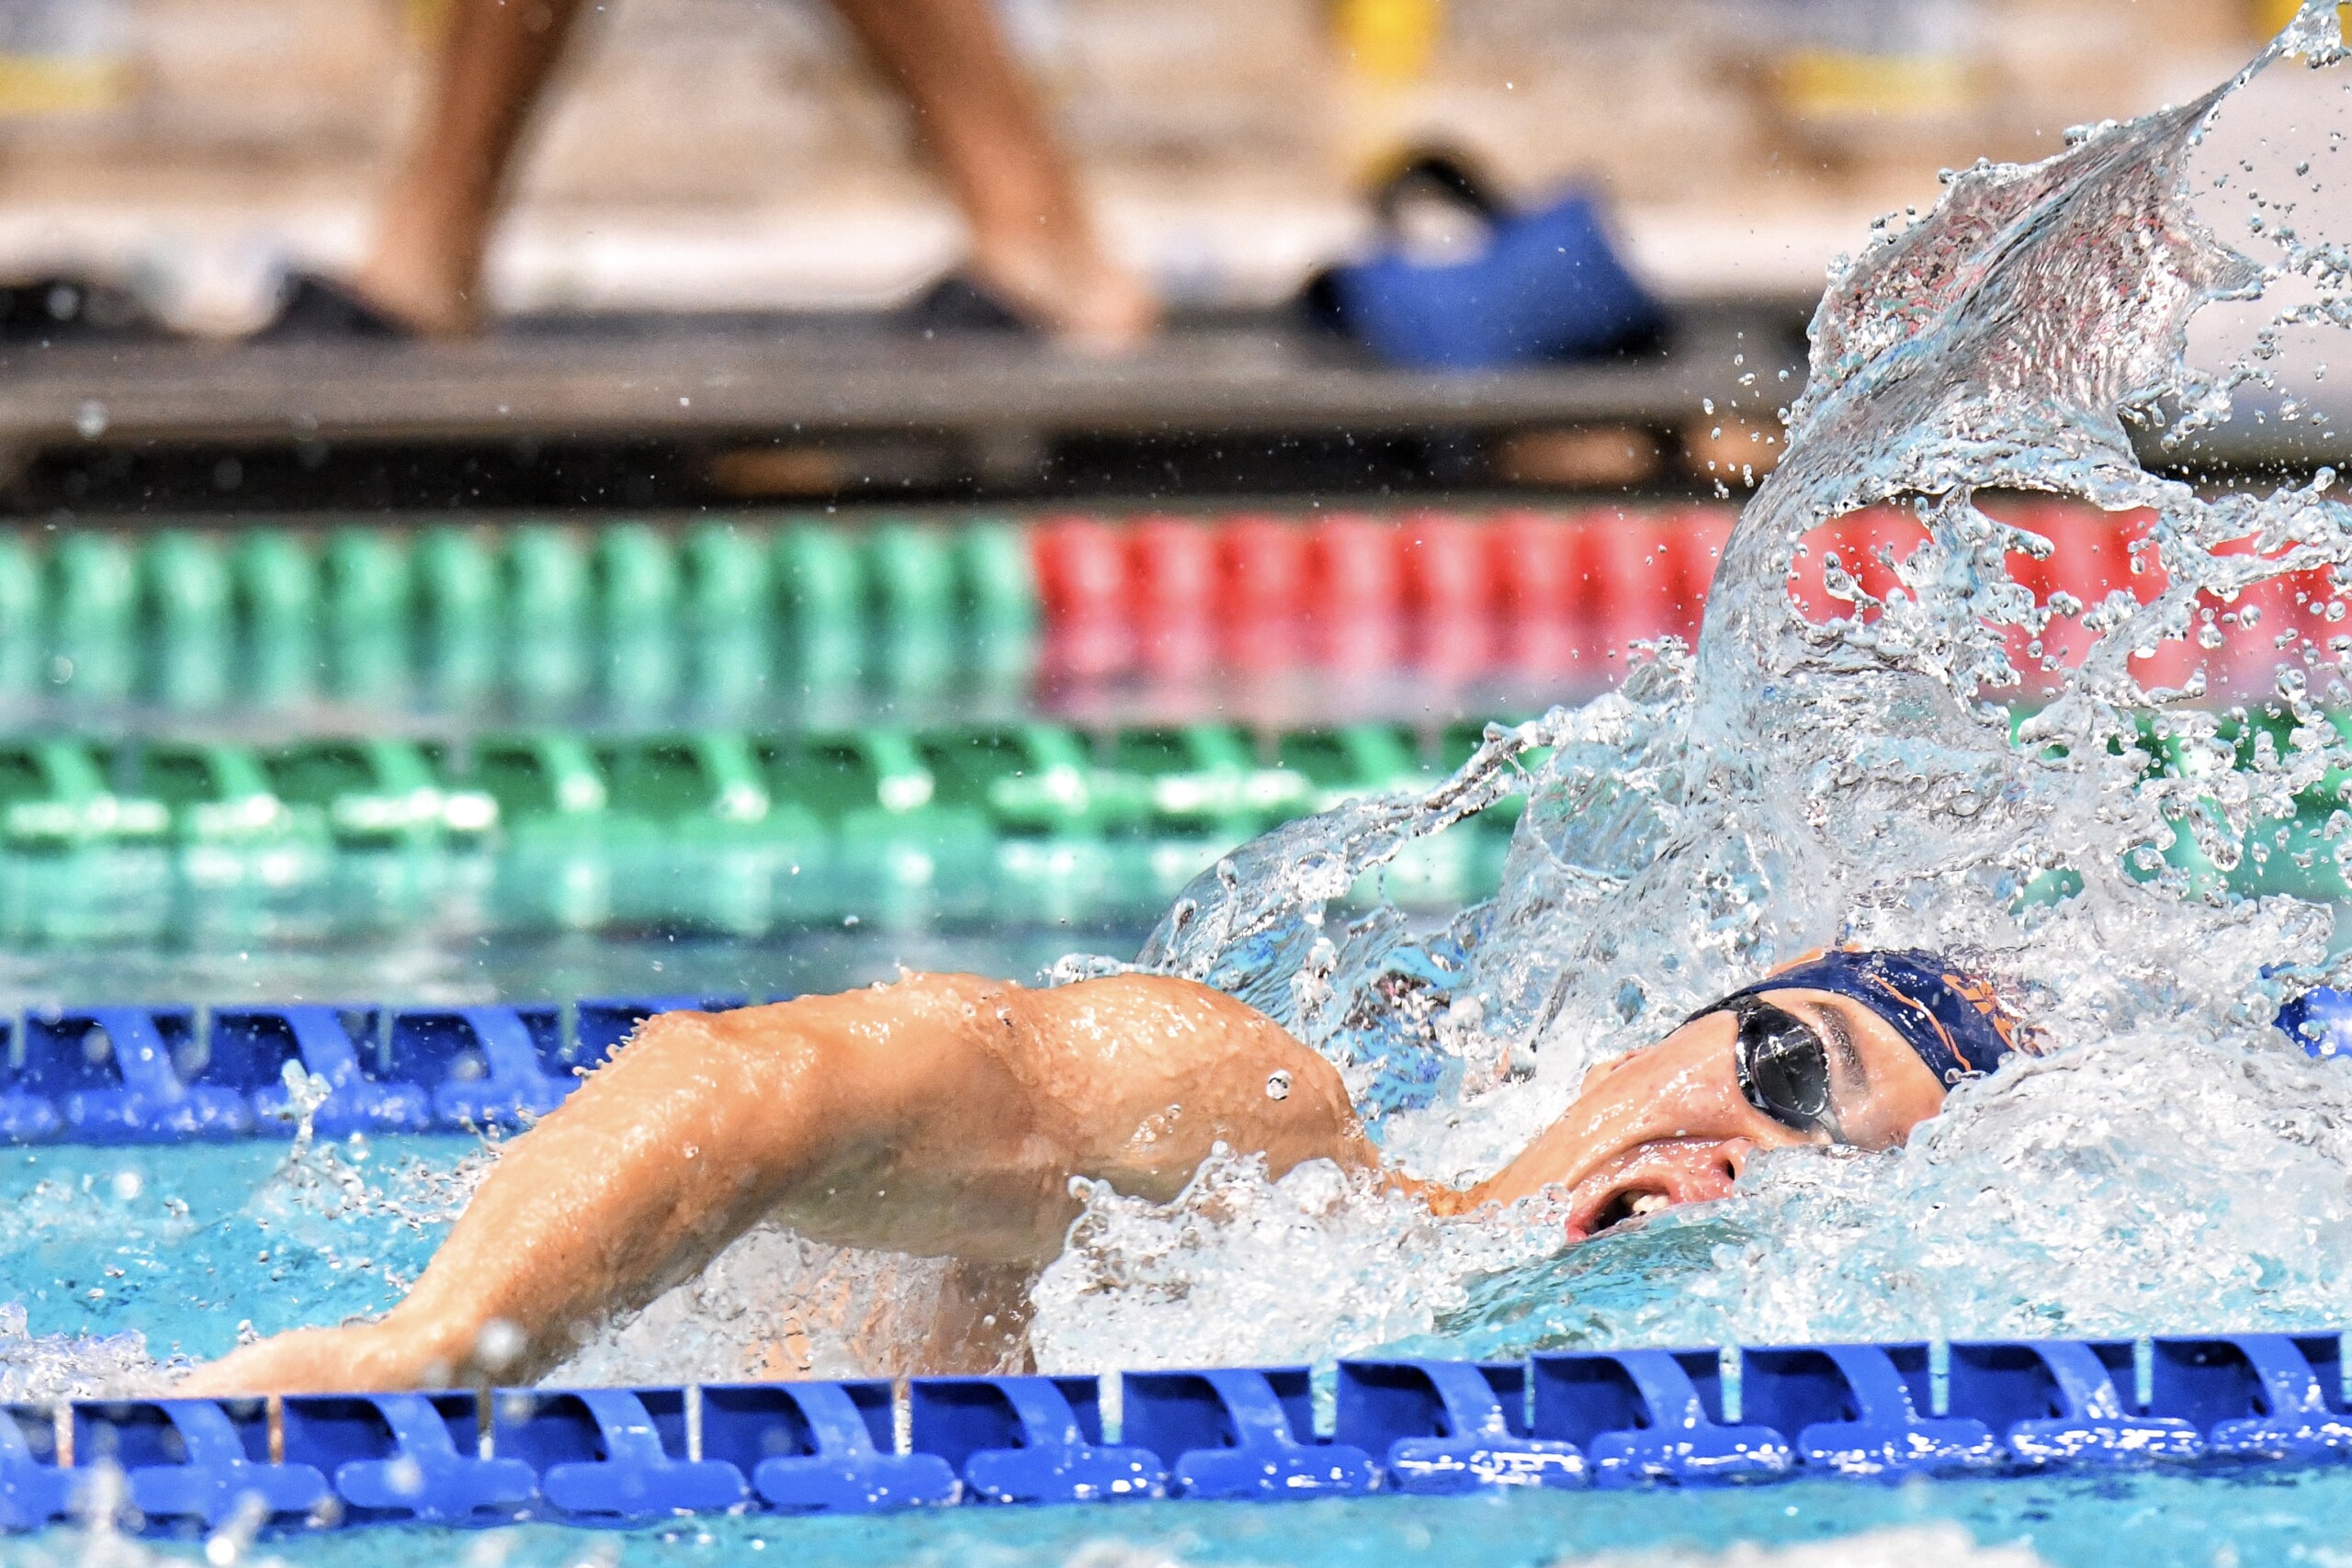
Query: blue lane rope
x,y
1570,1420
158,1074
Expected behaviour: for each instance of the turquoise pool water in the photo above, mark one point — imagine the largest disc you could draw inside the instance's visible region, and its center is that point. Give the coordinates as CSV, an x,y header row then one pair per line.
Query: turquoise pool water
x,y
191,1246
429,964
2209,1520
181,1245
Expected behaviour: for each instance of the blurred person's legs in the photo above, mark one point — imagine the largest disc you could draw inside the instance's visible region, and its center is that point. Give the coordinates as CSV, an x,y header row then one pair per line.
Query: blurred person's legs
x,y
1033,247
1033,243
433,228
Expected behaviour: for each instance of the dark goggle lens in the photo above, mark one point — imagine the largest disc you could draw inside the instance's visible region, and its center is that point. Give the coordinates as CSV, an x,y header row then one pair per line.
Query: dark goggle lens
x,y
1783,1066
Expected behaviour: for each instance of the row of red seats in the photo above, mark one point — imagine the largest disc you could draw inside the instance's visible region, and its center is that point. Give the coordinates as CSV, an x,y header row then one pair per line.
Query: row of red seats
x,y
1546,593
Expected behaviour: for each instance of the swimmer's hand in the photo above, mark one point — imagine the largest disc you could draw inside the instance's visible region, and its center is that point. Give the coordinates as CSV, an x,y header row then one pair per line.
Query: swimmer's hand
x,y
943,1116
363,1358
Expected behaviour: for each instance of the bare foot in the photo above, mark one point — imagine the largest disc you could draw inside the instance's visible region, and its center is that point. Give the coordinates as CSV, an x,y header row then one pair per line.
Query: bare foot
x,y
1077,293
424,306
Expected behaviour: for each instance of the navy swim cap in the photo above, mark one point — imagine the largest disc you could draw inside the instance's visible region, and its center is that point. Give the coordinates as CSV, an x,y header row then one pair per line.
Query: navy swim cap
x,y
1954,1021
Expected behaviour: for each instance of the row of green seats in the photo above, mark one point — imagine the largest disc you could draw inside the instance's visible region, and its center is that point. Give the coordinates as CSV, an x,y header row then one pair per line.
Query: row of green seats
x,y
1026,779
455,580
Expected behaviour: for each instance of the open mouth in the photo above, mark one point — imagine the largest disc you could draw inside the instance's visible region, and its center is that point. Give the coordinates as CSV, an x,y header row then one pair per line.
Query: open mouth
x,y
1626,1206
1647,1180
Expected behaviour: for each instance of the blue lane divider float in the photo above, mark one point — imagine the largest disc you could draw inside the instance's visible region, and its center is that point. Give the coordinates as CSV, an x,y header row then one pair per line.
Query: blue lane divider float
x,y
1243,1432
1574,1419
823,1447
121,1074
1451,1426
1856,1409
1641,1415
613,1452
34,1489
2212,1383
2056,1403
254,1044
412,1457
1032,1439
133,1075
198,1458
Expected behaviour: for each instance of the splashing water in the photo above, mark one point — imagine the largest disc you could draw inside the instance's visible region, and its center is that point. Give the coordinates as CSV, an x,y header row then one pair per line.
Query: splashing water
x,y
1794,783
772,1304
2174,1163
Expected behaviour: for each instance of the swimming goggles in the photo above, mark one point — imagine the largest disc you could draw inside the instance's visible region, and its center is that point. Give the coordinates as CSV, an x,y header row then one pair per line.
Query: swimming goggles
x,y
1782,1063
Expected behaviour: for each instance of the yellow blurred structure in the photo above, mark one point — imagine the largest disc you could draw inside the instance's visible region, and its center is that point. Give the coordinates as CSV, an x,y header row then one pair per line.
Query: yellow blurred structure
x,y
1388,40
2269,15
63,58
55,85
1836,84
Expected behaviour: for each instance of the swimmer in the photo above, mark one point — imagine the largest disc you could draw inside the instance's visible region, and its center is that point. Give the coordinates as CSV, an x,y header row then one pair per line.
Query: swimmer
x,y
945,1116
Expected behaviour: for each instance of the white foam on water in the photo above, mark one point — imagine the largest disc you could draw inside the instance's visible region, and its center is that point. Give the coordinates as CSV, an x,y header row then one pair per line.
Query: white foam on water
x,y
1261,1269
772,1304
38,1368
2174,1163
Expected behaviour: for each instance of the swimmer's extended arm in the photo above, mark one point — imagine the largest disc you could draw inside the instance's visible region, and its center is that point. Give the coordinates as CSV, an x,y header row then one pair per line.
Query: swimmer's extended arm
x,y
943,1115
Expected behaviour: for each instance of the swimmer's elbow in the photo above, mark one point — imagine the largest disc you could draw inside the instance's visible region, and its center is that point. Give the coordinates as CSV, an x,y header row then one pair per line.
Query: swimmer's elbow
x,y
754,1050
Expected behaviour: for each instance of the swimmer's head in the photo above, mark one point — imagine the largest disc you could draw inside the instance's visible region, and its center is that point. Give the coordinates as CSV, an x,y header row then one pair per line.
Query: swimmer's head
x,y
1847,1047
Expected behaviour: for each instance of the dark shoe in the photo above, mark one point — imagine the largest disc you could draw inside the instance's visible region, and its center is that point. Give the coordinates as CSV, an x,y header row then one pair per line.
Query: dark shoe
x,y
319,309
957,304
48,309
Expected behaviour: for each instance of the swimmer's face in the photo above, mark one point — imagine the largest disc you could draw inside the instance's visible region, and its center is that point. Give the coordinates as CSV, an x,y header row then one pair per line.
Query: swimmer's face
x,y
1672,1124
